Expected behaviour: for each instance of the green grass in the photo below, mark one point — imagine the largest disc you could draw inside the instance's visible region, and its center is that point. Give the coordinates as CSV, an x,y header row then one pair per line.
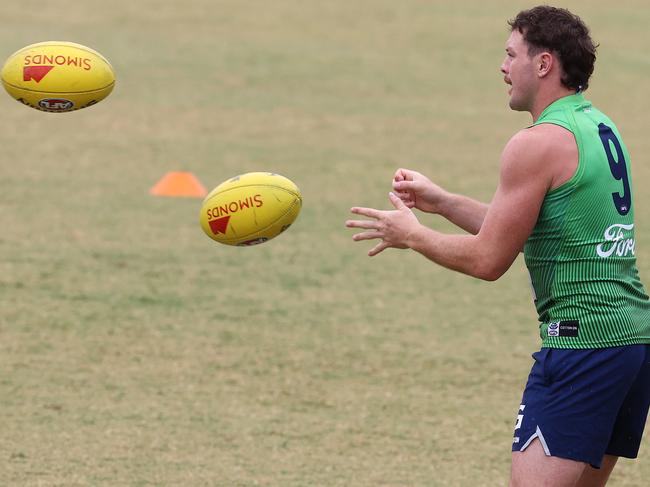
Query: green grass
x,y
135,351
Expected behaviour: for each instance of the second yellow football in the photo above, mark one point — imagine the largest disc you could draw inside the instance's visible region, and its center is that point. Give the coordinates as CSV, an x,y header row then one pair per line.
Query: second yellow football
x,y
250,209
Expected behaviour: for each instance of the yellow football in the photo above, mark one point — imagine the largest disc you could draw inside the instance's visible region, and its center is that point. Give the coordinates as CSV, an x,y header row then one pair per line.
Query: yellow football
x,y
250,209
58,76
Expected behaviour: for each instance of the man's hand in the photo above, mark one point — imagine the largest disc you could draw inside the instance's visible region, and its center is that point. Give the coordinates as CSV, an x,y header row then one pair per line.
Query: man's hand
x,y
417,191
394,227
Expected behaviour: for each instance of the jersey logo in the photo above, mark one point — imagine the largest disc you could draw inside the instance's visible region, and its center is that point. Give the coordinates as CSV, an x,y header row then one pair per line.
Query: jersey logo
x,y
617,241
566,328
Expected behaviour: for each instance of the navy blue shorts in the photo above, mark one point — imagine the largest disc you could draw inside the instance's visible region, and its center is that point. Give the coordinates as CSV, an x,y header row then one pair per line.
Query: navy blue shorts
x,y
583,404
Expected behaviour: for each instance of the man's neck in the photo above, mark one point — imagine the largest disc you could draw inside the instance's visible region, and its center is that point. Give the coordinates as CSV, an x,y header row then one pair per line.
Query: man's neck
x,y
545,99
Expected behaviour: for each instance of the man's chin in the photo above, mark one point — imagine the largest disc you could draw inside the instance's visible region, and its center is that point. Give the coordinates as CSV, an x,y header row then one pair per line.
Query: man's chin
x,y
517,107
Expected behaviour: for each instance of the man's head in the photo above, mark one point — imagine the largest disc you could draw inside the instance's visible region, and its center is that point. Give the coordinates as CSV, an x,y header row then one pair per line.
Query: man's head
x,y
564,35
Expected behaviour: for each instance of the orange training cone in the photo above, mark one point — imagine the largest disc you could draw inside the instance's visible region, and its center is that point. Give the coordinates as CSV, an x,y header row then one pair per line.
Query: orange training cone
x,y
179,184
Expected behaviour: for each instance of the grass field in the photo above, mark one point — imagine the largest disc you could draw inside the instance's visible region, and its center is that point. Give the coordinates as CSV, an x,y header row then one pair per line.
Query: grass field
x,y
134,351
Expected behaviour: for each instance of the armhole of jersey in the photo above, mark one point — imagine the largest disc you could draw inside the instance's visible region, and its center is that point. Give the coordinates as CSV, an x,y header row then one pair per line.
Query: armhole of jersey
x,y
570,184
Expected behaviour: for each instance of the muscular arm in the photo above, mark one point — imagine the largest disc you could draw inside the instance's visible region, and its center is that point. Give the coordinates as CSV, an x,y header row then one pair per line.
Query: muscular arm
x,y
508,220
534,161
464,212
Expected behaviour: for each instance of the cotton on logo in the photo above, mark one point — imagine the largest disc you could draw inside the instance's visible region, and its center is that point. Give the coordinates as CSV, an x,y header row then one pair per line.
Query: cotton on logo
x,y
617,241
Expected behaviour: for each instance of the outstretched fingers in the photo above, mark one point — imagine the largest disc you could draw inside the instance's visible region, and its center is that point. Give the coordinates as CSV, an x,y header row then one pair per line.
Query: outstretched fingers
x,y
371,212
366,236
369,224
396,201
381,246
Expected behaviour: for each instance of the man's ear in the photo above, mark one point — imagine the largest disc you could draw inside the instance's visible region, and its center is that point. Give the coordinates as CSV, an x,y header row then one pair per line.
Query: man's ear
x,y
545,64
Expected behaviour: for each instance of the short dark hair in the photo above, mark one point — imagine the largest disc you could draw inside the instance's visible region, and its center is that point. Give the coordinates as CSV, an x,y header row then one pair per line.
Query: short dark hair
x,y
563,33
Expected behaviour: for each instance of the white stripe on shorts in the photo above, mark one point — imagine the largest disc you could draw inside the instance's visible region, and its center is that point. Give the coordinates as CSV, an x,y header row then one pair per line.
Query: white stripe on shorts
x,y
537,434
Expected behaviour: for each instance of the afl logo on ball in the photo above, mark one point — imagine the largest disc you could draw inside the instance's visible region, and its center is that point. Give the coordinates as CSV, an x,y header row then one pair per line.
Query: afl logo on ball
x,y
55,104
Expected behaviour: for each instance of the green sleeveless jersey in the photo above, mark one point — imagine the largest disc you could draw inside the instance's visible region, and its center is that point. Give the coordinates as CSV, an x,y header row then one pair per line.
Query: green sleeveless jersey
x,y
580,254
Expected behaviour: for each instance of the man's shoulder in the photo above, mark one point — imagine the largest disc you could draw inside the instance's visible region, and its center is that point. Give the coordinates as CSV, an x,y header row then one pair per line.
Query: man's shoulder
x,y
542,150
547,133
541,140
